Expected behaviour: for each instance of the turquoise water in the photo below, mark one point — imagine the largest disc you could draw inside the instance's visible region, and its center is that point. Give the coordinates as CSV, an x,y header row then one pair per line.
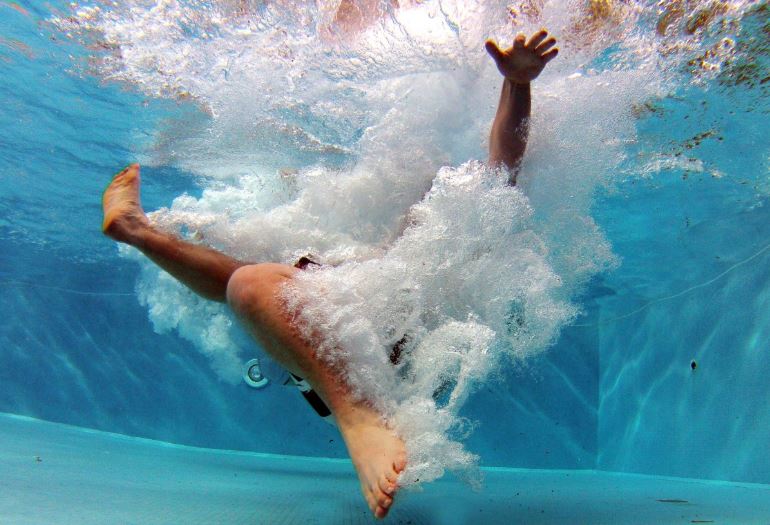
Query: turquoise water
x,y
646,179
153,482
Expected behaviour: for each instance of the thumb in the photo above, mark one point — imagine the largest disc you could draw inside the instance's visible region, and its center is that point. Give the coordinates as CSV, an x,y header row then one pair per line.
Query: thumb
x,y
493,50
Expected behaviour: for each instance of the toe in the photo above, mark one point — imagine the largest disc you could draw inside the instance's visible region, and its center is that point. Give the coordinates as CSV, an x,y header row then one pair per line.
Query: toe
x,y
388,486
125,170
132,171
400,463
383,500
370,501
392,476
380,512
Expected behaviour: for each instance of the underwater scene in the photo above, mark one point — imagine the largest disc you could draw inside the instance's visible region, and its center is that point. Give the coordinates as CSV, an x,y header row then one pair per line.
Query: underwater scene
x,y
608,316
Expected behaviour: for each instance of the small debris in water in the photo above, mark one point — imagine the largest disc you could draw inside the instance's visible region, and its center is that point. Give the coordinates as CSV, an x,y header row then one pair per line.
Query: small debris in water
x,y
38,459
673,501
693,364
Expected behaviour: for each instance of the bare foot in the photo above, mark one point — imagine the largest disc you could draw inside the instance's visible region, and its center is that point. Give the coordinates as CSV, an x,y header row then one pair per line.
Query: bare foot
x,y
123,214
378,456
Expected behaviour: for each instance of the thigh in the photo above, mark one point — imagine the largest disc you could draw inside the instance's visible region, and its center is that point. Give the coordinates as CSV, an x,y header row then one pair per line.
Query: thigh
x,y
254,289
254,293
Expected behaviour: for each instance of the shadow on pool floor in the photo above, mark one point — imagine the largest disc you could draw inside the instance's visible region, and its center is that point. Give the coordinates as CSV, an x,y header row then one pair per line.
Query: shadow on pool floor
x,y
52,473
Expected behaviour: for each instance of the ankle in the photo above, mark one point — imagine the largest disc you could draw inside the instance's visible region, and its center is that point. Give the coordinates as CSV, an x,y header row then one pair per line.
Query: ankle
x,y
142,235
357,415
129,231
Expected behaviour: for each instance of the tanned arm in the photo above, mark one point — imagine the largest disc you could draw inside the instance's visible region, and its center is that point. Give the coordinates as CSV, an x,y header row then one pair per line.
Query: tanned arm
x,y
520,64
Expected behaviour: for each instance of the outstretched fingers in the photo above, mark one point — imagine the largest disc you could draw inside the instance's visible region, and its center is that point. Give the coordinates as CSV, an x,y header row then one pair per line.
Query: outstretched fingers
x,y
536,39
525,60
550,55
540,43
494,51
545,46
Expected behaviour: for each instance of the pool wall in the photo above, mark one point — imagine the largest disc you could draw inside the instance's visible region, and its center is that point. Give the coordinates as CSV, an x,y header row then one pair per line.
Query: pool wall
x,y
683,382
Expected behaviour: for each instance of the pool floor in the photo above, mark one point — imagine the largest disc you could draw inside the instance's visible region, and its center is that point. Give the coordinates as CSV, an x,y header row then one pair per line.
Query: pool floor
x,y
52,473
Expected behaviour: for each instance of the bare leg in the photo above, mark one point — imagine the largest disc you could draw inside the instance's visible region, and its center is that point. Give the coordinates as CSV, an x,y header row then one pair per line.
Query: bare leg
x,y
254,294
203,270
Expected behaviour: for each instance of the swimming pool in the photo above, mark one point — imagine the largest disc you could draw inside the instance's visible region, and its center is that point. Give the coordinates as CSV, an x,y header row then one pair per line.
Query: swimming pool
x,y
646,178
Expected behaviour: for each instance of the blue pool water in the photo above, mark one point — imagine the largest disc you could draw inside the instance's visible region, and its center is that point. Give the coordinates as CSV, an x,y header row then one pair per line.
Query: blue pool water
x,y
647,181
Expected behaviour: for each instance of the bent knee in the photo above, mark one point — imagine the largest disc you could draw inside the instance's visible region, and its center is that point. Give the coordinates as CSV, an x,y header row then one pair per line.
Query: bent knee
x,y
253,283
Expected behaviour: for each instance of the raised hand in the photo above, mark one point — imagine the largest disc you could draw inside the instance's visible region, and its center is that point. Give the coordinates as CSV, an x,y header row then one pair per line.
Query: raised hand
x,y
523,62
